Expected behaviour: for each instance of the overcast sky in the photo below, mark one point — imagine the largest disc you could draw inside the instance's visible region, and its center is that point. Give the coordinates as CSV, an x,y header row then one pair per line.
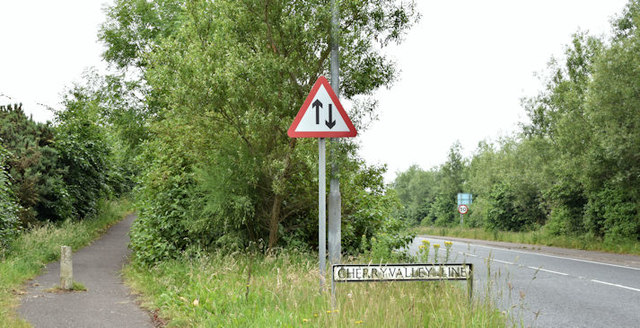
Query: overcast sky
x,y
464,67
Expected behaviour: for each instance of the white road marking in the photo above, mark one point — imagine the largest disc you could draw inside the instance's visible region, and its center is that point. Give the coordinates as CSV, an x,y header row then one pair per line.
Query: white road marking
x,y
503,262
549,271
615,285
467,254
560,257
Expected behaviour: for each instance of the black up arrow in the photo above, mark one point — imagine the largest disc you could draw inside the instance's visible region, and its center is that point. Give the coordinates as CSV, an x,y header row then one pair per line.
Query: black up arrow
x,y
317,105
331,123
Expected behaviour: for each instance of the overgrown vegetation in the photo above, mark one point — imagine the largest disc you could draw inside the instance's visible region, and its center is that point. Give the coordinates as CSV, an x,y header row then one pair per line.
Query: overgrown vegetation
x,y
39,246
58,171
8,206
221,82
253,290
573,170
33,168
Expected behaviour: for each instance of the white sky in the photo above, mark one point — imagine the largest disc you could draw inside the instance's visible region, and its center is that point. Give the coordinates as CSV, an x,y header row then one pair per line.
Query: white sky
x,y
45,45
465,67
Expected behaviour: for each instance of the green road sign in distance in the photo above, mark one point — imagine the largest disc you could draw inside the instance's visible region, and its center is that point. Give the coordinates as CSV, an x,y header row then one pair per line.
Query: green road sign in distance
x,y
465,199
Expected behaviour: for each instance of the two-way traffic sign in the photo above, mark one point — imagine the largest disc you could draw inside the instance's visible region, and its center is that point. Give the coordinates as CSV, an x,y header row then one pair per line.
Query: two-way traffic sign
x,y
322,115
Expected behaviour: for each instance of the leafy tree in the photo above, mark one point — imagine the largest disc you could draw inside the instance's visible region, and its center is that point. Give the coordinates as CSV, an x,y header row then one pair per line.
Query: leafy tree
x,y
451,180
134,27
613,164
33,165
83,152
226,79
113,108
416,190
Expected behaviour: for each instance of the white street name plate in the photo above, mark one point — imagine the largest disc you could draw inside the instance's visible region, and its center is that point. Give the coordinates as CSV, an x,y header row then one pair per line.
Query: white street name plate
x,y
401,272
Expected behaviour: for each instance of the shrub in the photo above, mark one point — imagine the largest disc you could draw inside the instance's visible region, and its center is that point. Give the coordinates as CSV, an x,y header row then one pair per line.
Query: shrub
x,y
8,206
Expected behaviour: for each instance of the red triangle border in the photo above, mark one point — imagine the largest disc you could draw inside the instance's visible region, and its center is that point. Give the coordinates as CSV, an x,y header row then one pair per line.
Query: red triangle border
x,y
322,81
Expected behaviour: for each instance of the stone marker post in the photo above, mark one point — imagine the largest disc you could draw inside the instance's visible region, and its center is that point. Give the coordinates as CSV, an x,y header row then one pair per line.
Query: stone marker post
x,y
66,268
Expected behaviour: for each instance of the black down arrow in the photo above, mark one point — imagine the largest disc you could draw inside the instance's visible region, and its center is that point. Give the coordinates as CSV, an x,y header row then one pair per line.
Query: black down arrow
x,y
331,123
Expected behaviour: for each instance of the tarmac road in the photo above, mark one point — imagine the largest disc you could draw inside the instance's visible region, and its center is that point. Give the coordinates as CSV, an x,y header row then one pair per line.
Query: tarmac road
x,y
551,287
107,301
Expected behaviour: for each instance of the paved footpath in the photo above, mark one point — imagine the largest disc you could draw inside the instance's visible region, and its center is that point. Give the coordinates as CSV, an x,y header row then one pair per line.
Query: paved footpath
x,y
107,301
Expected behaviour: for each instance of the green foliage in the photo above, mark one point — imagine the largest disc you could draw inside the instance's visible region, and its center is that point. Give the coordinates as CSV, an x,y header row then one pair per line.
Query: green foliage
x,y
107,114
133,28
84,153
390,244
430,197
60,171
163,232
369,211
575,167
219,168
450,183
8,206
416,191
34,167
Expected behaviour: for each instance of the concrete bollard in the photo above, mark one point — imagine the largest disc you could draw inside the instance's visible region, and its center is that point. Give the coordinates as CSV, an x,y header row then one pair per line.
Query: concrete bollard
x,y
66,268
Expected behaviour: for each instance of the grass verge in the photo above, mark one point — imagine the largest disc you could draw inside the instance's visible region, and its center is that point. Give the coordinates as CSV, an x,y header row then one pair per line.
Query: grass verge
x,y
283,291
538,237
32,250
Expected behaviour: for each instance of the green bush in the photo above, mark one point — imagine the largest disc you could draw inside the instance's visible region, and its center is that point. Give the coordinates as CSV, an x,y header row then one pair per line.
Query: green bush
x,y
33,161
8,206
613,214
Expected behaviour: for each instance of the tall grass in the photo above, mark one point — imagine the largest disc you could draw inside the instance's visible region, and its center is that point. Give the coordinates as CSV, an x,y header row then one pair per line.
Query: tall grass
x,y
537,237
32,250
283,291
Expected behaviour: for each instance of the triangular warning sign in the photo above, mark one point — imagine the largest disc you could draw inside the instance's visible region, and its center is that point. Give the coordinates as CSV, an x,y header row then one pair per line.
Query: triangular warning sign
x,y
322,115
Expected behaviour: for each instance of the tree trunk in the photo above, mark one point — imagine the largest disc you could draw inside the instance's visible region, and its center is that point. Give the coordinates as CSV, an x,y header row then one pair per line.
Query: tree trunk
x,y
274,221
274,218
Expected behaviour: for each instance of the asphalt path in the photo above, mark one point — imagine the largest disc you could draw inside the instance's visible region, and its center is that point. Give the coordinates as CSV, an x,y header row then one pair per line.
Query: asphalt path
x,y
107,301
557,288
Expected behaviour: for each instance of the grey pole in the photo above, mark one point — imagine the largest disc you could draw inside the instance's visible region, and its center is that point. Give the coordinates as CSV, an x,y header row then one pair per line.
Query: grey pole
x,y
322,210
335,201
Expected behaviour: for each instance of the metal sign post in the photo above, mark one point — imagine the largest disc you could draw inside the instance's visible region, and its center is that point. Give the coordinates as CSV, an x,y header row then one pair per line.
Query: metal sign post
x,y
322,209
464,200
322,116
462,209
335,199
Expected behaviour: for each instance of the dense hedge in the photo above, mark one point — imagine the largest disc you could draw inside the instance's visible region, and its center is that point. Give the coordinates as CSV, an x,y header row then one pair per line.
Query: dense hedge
x,y
8,204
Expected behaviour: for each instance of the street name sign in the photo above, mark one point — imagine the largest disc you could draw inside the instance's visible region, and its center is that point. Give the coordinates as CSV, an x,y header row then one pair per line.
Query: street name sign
x,y
401,272
322,115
